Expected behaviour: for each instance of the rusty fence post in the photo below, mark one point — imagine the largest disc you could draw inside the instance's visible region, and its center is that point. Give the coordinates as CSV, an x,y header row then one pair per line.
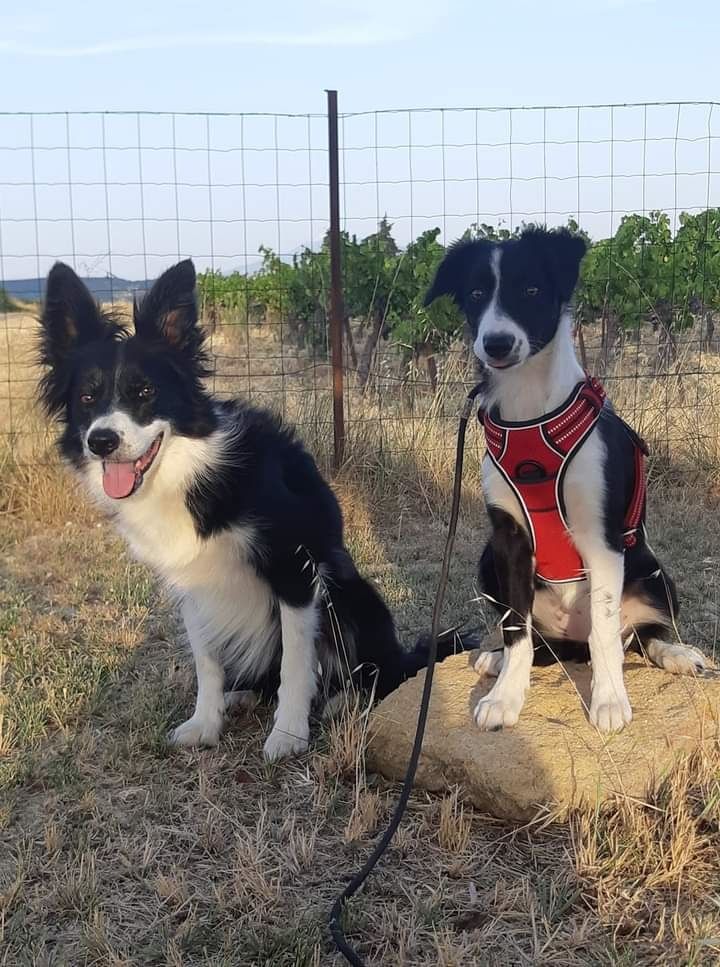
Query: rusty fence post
x,y
336,290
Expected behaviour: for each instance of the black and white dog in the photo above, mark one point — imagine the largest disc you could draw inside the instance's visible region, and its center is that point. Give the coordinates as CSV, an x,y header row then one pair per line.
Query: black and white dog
x,y
223,502
568,562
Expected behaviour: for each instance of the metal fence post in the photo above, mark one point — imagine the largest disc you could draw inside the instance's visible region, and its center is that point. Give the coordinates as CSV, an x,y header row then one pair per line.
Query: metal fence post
x,y
336,291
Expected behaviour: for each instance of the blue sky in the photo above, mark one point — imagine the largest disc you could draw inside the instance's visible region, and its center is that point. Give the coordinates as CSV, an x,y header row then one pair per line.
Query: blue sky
x,y
279,57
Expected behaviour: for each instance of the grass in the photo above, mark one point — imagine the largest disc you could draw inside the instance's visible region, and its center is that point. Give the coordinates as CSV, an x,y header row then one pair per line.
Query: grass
x,y
120,851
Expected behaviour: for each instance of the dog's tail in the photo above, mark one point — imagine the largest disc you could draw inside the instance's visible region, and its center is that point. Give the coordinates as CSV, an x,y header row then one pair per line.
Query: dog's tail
x,y
362,633
450,642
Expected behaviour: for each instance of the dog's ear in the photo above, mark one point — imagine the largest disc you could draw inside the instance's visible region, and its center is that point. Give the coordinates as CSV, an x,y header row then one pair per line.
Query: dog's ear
x,y
565,252
70,315
169,310
70,319
452,272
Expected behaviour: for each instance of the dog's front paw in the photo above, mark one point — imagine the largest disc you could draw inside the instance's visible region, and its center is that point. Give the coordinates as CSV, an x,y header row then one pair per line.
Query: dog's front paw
x,y
282,743
197,731
489,663
492,714
610,714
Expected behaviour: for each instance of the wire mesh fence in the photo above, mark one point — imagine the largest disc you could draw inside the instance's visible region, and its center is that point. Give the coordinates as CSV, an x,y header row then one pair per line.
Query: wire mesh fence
x,y
120,196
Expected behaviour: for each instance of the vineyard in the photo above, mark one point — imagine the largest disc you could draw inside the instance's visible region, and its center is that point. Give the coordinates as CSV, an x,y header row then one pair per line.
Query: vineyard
x,y
643,278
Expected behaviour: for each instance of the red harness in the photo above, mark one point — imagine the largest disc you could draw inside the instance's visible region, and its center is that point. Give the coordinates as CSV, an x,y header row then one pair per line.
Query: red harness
x,y
533,458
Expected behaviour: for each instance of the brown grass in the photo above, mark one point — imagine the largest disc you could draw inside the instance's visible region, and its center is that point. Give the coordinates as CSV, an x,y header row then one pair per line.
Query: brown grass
x,y
120,851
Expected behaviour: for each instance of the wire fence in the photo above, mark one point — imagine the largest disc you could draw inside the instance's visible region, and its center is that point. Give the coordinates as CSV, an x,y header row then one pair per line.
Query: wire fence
x,y
121,196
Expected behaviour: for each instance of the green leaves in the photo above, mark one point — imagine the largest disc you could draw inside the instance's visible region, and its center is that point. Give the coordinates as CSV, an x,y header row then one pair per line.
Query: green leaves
x,y
412,324
644,274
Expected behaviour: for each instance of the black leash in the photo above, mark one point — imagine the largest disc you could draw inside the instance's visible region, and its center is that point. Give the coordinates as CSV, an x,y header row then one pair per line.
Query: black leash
x,y
336,929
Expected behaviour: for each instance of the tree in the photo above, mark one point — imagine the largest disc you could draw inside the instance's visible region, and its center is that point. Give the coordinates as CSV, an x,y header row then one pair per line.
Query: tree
x,y
224,296
424,331
370,269
630,278
697,257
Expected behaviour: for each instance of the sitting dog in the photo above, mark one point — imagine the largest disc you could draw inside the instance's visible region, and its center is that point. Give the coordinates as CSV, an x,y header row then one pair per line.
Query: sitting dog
x,y
568,563
223,502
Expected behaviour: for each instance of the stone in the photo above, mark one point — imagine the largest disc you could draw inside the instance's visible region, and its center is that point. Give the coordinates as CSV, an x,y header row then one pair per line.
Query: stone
x,y
553,758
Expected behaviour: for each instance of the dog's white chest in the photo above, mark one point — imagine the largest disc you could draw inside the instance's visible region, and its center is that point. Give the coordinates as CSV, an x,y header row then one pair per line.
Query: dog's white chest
x,y
163,537
563,611
226,604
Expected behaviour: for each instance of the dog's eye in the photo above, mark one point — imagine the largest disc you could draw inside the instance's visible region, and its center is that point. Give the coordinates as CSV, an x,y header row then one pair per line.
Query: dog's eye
x,y
532,290
477,294
146,392
87,398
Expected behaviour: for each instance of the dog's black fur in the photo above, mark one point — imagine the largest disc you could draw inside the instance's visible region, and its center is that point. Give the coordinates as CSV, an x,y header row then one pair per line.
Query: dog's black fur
x,y
516,297
117,393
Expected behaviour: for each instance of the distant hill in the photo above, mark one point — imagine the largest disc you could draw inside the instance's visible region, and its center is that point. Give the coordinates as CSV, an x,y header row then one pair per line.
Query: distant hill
x,y
108,287
104,288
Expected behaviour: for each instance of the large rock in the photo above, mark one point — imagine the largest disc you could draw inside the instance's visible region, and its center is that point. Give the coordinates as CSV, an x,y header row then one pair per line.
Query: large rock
x,y
553,756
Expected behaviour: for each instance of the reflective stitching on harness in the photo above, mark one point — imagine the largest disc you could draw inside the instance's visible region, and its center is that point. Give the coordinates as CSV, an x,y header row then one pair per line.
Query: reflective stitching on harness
x,y
558,426
568,433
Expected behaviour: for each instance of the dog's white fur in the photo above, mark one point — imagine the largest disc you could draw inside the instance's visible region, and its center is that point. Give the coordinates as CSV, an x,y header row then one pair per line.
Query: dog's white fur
x,y
230,614
593,610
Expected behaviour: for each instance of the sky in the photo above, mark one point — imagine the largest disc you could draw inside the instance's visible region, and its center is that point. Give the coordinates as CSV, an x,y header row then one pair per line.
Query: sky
x,y
125,193
281,55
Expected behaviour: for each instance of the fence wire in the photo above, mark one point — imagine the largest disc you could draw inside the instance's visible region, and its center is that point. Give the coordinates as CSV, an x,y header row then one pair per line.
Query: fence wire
x,y
121,196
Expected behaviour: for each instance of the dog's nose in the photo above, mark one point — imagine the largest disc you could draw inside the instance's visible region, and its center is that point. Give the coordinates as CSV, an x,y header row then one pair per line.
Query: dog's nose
x,y
498,345
103,442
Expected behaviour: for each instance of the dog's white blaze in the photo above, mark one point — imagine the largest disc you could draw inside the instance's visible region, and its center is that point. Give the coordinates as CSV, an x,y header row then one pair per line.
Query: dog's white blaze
x,y
494,322
298,681
134,438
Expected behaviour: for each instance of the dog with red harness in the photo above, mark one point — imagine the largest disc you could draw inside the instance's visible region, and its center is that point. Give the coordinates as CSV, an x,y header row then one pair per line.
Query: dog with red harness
x,y
568,565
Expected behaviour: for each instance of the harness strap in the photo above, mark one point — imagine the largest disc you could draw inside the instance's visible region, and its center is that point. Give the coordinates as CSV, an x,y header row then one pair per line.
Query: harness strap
x,y
563,431
635,510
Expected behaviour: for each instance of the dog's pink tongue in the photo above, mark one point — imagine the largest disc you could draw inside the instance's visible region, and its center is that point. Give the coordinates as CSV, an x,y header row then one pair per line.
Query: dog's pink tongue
x,y
118,479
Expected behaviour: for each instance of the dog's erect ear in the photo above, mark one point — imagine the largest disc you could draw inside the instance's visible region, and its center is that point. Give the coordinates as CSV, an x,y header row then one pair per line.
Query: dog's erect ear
x,y
70,315
70,319
452,272
169,310
565,252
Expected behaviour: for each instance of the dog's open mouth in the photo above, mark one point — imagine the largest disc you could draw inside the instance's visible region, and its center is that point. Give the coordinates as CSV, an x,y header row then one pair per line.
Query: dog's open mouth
x,y
122,478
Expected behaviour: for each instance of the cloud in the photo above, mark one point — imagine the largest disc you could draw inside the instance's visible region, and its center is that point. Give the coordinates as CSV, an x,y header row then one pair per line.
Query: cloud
x,y
366,32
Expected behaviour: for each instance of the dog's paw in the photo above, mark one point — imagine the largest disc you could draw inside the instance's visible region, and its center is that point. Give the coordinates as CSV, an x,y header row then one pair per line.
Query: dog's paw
x,y
197,731
677,659
610,714
489,663
492,714
282,743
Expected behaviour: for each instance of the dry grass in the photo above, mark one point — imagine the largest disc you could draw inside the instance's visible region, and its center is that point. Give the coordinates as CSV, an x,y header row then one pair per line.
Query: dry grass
x,y
120,851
